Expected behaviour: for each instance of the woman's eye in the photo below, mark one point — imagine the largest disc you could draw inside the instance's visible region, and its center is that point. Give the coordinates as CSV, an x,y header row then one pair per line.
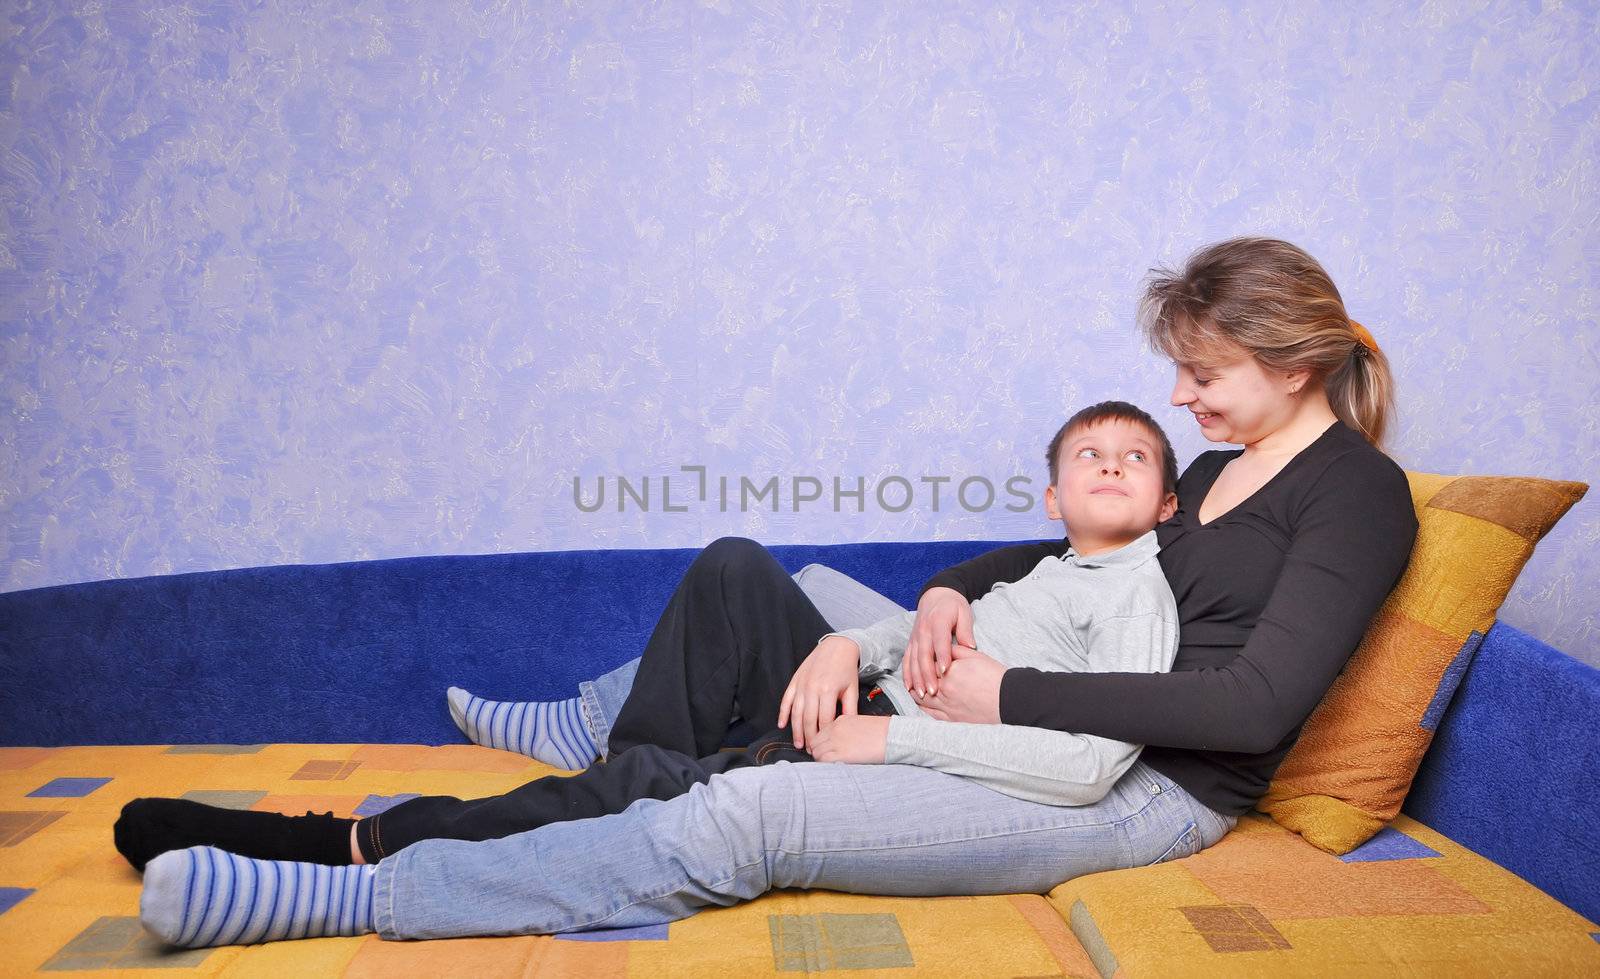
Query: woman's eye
x,y
1203,381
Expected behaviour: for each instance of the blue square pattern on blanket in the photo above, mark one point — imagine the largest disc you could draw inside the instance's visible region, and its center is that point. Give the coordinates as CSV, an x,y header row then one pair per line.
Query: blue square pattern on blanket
x,y
10,896
67,788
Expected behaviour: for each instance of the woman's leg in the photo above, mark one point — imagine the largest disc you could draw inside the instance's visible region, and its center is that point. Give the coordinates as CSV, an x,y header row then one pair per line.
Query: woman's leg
x,y
642,772
843,602
865,829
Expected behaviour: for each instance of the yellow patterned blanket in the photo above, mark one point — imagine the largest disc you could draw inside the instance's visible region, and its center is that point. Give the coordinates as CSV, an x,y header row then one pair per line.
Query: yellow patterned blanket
x,y
1262,902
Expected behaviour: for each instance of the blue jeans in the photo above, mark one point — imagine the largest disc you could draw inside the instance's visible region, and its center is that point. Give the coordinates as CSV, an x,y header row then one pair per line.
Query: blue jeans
x,y
869,829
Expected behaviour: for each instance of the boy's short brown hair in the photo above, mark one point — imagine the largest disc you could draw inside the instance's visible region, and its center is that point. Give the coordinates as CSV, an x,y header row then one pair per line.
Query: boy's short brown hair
x,y
1117,411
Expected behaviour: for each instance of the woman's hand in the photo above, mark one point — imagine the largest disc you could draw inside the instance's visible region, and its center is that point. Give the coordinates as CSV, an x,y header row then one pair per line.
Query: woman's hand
x,y
970,691
853,739
829,677
941,613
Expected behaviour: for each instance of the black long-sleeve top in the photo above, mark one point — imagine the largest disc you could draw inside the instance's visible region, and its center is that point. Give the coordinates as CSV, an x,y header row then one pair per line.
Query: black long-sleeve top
x,y
1273,597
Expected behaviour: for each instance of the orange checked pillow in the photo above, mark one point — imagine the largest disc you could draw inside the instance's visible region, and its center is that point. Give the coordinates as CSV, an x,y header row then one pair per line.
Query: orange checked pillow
x,y
1353,764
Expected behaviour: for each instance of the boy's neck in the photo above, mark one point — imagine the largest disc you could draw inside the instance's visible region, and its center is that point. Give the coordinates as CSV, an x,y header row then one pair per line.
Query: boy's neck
x,y
1093,548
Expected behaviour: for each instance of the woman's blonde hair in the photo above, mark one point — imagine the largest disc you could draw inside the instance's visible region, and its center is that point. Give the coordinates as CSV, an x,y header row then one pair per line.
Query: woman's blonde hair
x,y
1278,303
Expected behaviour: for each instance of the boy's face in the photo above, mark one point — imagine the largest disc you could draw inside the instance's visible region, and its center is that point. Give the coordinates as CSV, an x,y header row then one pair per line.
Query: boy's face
x,y
1108,489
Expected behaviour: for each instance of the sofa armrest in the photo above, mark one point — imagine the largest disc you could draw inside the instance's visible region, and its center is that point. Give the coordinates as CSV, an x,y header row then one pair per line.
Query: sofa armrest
x,y
1515,765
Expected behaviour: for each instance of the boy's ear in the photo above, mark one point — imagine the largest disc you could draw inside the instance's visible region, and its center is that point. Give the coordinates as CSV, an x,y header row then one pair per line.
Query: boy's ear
x,y
1169,506
1050,509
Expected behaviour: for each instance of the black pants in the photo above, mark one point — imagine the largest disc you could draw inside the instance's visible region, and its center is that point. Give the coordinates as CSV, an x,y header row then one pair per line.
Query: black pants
x,y
726,645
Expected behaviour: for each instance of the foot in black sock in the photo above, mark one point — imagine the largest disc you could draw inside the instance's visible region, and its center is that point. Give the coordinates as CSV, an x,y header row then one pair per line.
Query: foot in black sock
x,y
149,827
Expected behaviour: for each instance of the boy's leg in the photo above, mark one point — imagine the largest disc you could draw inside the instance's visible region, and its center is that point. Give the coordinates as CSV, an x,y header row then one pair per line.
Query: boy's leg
x,y
843,602
148,827
642,772
163,824
728,633
728,641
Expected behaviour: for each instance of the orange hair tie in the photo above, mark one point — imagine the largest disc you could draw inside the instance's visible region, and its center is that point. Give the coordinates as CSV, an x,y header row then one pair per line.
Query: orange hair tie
x,y
1364,336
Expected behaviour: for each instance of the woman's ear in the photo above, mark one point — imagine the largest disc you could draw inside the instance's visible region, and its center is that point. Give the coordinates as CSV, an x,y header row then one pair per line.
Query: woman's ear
x,y
1297,379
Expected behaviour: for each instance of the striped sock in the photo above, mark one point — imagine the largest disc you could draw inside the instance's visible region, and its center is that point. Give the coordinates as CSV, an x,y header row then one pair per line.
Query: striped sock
x,y
202,896
554,731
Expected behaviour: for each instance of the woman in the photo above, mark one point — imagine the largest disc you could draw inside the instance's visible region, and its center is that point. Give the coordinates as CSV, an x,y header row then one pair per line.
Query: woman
x,y
1278,556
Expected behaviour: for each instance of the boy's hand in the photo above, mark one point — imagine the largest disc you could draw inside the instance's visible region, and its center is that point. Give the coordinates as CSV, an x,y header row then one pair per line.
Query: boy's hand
x,y
971,690
941,613
853,739
828,678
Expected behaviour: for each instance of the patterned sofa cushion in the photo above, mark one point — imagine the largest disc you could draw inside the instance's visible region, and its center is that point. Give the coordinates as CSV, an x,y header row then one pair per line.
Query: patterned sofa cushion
x,y
1264,902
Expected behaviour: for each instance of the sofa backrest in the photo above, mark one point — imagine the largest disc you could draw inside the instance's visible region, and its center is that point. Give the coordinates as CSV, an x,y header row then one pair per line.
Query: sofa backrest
x,y
354,652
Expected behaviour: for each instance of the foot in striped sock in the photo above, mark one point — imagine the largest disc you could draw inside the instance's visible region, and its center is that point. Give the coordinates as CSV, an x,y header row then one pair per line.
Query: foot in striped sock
x,y
202,896
554,732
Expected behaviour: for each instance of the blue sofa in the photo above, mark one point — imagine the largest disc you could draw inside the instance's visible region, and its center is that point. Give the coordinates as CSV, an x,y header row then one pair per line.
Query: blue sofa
x,y
362,652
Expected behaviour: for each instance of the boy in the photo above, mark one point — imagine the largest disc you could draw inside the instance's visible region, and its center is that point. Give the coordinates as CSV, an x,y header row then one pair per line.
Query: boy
x,y
1102,607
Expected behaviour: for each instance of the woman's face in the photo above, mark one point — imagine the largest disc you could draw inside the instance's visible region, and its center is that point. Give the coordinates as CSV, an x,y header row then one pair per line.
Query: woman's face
x,y
1236,400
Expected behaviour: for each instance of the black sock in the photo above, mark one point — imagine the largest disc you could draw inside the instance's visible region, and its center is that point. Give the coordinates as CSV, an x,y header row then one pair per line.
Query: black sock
x,y
149,827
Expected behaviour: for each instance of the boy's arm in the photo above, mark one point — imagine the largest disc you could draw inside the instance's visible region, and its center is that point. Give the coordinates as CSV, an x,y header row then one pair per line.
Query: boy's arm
x,y
882,643
1052,767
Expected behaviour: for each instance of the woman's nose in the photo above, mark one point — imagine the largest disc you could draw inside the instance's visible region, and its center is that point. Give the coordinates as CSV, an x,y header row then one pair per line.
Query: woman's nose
x,y
1181,395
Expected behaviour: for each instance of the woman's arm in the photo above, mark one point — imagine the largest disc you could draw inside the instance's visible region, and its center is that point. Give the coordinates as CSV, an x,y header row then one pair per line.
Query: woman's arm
x,y
974,577
1350,546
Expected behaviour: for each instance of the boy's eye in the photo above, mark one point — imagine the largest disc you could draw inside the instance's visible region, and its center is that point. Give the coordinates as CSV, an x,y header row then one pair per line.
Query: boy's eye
x,y
1088,453
1136,454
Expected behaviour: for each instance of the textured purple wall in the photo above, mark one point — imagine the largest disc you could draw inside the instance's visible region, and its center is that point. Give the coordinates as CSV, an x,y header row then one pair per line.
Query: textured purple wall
x,y
291,282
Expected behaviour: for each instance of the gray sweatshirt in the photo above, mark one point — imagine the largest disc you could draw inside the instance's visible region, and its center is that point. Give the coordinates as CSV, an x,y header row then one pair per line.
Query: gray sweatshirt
x,y
1112,612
